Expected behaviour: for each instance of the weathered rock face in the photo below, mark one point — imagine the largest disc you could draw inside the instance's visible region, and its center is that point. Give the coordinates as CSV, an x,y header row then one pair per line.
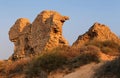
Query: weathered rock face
x,y
18,34
99,32
44,33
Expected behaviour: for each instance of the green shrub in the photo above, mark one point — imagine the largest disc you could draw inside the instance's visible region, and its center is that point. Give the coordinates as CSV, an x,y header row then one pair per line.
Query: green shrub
x,y
51,61
109,70
61,57
35,71
45,63
66,51
88,54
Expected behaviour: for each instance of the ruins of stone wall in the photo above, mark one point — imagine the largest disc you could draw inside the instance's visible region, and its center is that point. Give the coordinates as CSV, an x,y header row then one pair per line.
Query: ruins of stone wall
x,y
45,33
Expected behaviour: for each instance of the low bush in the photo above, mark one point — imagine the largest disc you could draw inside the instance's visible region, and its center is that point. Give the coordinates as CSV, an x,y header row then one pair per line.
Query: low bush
x,y
89,48
107,47
45,63
66,51
35,71
88,54
17,66
62,57
51,61
109,70
48,61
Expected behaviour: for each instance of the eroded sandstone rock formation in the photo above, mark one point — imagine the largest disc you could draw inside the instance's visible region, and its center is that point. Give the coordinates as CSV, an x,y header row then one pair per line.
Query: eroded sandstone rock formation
x,y
19,34
99,32
44,33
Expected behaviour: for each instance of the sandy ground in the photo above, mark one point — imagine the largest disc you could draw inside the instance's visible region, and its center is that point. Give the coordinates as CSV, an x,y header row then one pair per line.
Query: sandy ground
x,y
86,71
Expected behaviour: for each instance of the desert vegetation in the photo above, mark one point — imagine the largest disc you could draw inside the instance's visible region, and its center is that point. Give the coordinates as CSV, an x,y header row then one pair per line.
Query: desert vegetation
x,y
69,58
8,69
63,58
59,58
107,47
109,69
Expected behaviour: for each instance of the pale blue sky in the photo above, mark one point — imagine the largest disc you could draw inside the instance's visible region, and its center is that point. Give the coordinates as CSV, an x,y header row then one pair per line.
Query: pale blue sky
x,y
82,13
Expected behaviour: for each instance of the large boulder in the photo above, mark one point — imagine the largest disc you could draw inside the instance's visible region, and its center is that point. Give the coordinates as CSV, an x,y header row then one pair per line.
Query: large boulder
x,y
98,32
45,33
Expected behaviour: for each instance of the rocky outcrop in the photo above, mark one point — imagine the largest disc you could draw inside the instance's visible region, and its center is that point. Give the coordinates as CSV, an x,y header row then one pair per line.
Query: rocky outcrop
x,y
45,33
19,34
99,32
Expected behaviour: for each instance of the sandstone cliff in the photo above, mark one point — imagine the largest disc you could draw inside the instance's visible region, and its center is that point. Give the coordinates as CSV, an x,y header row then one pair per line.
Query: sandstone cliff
x,y
44,33
99,32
